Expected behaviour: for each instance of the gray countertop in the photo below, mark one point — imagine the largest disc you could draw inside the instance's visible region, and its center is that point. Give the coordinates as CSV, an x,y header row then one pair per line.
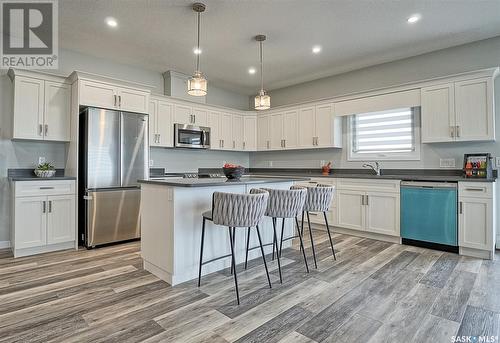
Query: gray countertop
x,y
34,178
210,182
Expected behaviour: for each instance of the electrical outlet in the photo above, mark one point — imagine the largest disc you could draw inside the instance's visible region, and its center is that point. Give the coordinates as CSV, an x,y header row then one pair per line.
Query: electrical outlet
x,y
497,162
151,163
41,160
447,162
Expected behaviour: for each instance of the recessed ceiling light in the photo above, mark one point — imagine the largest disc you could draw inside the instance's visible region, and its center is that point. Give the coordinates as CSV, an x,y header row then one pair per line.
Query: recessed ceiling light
x,y
111,22
316,49
413,19
252,70
197,51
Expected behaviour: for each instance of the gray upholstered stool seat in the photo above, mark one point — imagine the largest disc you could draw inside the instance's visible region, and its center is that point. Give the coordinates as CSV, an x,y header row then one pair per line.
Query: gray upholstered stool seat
x,y
235,210
318,199
285,204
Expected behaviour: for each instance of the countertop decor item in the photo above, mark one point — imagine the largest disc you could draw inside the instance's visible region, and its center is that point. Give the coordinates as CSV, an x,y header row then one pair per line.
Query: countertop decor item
x,y
325,170
478,166
232,171
45,170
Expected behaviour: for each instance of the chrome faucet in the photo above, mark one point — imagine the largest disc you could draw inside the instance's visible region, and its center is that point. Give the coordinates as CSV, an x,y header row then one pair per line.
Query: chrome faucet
x,y
375,168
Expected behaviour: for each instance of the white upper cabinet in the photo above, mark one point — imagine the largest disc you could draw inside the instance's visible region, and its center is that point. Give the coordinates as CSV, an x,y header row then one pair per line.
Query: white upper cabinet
x,y
474,110
41,109
276,131
263,129
200,117
213,122
183,114
238,132
161,129
250,133
291,129
57,111
458,111
307,127
226,131
328,128
153,123
132,100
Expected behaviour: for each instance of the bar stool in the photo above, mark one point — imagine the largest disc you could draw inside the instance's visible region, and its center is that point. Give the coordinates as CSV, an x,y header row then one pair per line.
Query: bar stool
x,y
318,200
235,210
285,204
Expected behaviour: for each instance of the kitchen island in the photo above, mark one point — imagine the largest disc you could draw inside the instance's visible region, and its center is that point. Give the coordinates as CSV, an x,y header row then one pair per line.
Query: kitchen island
x,y
171,218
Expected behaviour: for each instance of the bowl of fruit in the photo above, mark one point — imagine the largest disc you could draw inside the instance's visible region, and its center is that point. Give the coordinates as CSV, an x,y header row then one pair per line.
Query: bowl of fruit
x,y
233,171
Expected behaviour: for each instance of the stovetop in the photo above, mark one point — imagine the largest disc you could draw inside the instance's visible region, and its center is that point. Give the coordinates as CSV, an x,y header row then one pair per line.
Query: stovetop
x,y
202,175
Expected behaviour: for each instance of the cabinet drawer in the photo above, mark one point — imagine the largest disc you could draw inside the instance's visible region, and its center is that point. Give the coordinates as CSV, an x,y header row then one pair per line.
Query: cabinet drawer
x,y
475,189
369,185
39,188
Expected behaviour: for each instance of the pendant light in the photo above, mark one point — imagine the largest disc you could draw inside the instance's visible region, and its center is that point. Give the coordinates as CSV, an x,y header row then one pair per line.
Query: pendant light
x,y
197,84
262,100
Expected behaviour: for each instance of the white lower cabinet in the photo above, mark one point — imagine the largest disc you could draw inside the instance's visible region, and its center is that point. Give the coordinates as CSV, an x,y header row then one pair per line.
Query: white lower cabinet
x,y
350,209
476,229
44,220
382,213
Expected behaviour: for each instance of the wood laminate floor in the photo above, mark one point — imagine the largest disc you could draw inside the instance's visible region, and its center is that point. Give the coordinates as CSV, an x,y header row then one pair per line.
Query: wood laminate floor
x,y
374,292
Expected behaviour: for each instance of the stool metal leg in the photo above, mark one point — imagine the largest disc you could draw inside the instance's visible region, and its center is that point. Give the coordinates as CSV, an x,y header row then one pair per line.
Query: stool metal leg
x,y
274,237
233,265
248,244
201,250
231,242
263,256
329,236
312,241
282,230
302,245
301,231
277,255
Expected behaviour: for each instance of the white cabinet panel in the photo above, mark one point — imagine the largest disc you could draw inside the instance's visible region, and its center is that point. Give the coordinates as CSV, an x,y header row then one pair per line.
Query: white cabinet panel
x,y
57,111
60,219
438,113
28,108
350,209
213,122
263,139
276,131
307,127
153,123
183,114
132,100
30,222
474,110
291,129
98,94
382,213
250,132
226,128
200,117
324,121
164,125
238,132
476,223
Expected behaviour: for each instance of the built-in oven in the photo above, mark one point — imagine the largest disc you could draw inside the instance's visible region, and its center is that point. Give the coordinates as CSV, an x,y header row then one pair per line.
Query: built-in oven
x,y
190,136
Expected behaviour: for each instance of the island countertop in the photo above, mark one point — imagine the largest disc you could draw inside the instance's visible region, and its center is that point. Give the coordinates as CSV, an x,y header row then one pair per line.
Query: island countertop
x,y
210,182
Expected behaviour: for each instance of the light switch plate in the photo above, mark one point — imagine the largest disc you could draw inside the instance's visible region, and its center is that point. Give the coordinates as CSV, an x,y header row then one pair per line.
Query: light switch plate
x,y
151,163
497,162
41,160
447,163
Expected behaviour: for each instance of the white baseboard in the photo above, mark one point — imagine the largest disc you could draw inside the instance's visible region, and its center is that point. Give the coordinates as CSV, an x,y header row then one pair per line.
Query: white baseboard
x,y
4,244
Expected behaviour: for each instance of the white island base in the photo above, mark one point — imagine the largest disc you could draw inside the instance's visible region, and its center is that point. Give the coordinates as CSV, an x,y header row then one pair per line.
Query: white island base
x,y
171,219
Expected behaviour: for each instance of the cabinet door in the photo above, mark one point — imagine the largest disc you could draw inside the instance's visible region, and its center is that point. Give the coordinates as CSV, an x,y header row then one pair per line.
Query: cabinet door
x,y
250,133
28,108
133,100
30,222
153,123
183,115
263,142
291,129
61,225
306,127
350,209
213,122
475,223
276,131
238,132
199,117
164,124
324,125
474,110
382,213
57,111
438,113
98,94
226,128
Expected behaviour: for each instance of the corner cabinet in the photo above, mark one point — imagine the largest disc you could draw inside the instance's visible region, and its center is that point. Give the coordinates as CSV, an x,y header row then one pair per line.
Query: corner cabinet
x,y
160,124
51,223
41,107
458,111
476,219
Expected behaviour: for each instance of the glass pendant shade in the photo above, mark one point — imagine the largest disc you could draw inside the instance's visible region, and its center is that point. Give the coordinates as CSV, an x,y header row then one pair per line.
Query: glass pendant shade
x,y
262,101
197,84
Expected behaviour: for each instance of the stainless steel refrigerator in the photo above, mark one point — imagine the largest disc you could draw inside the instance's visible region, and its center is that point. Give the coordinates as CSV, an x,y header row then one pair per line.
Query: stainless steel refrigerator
x,y
113,156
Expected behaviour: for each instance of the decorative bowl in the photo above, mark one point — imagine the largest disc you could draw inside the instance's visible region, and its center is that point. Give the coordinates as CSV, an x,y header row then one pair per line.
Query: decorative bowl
x,y
234,173
45,173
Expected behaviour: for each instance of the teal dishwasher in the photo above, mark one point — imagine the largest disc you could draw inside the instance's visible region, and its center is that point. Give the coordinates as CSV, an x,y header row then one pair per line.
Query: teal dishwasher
x,y
429,214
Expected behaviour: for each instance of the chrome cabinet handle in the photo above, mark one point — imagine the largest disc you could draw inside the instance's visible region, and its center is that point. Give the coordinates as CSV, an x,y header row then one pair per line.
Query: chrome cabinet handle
x,y
366,203
267,144
46,129
362,200
317,141
452,131
475,189
46,187
461,207
159,138
284,143
40,129
234,144
44,207
114,97
244,145
50,206
119,101
223,143
457,131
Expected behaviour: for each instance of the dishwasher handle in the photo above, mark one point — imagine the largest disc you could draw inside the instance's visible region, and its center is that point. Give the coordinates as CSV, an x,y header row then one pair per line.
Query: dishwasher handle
x,y
423,184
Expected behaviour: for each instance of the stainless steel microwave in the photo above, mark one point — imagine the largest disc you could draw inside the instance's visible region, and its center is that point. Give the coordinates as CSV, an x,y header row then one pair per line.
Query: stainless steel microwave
x,y
190,136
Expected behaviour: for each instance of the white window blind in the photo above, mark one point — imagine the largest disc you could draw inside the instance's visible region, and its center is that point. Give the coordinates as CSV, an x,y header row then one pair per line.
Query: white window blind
x,y
383,132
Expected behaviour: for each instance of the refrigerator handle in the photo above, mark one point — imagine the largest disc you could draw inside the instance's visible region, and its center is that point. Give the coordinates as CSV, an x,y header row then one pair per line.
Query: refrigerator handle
x,y
120,148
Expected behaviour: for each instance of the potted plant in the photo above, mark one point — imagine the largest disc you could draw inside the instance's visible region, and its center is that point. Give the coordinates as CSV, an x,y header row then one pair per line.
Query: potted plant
x,y
45,170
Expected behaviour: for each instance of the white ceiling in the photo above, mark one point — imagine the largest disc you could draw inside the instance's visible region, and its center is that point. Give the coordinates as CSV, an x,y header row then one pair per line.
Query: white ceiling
x,y
160,34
